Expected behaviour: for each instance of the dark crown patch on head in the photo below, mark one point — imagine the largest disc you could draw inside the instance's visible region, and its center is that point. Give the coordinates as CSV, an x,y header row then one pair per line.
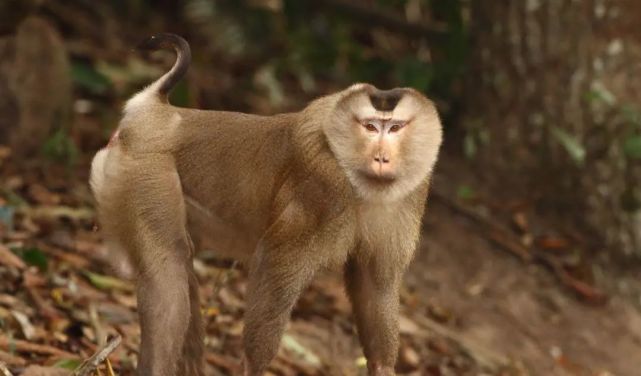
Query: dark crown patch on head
x,y
385,100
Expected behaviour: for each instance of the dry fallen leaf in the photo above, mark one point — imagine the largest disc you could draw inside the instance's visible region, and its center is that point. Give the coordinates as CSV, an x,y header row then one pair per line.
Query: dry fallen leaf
x,y
292,344
28,331
45,371
43,196
8,258
409,359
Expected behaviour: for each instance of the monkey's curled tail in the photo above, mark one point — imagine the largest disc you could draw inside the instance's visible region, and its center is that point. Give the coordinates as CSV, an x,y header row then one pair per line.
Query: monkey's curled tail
x,y
162,86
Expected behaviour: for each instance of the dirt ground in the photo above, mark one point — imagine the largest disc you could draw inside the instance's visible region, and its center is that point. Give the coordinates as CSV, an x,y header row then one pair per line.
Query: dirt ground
x,y
468,306
520,311
498,310
505,316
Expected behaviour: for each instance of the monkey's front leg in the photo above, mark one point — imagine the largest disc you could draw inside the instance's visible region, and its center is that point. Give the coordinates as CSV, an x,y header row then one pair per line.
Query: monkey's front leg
x,y
277,278
374,292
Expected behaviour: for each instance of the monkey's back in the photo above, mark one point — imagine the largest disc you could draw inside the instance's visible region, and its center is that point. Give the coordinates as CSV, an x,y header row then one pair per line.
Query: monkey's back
x,y
232,163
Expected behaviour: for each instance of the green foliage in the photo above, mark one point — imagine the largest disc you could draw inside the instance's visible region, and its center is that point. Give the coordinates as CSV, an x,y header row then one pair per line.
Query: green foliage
x,y
632,147
469,145
453,46
574,148
180,94
34,257
625,122
70,364
631,117
599,94
414,73
61,148
321,43
475,137
465,192
13,199
86,77
104,282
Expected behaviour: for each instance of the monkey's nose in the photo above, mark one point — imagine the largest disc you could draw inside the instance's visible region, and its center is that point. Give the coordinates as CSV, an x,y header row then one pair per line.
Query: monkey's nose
x,y
381,158
382,167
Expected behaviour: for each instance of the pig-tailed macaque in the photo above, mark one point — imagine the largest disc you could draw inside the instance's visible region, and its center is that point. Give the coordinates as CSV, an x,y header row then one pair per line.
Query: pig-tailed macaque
x,y
342,183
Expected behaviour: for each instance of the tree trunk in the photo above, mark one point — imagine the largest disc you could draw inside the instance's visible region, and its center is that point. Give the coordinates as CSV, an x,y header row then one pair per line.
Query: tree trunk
x,y
35,86
553,99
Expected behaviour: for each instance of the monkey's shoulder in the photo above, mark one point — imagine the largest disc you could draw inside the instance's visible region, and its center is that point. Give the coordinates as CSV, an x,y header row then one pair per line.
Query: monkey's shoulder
x,y
310,199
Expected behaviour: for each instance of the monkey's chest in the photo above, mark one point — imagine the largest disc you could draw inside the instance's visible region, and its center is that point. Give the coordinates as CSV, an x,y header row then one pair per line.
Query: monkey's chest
x,y
384,228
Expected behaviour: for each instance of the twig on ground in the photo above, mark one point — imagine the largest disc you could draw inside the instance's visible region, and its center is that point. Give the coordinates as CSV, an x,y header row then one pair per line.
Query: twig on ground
x,y
31,281
110,370
11,359
589,293
92,364
29,347
497,233
481,355
506,240
98,330
4,370
47,212
64,254
10,259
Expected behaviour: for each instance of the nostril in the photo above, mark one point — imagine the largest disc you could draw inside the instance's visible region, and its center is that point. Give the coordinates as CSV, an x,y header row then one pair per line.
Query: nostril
x,y
377,159
385,160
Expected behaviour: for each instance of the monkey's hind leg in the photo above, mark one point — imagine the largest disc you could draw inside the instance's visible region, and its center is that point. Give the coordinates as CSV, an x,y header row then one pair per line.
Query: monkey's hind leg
x,y
167,292
193,349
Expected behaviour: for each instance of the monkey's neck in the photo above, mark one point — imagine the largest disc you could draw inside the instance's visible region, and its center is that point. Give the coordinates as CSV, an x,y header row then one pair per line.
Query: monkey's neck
x,y
315,157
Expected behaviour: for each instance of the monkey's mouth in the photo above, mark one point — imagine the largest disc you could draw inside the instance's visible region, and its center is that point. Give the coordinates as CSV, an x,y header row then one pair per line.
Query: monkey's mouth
x,y
379,180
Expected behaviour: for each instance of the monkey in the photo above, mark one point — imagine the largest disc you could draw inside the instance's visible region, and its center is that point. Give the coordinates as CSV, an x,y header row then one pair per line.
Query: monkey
x,y
341,184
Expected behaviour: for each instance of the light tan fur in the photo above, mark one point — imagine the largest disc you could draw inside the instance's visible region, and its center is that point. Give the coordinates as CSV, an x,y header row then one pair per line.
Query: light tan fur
x,y
289,194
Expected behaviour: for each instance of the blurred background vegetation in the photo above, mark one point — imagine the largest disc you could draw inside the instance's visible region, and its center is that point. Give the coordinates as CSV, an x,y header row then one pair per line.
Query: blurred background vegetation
x,y
540,100
540,95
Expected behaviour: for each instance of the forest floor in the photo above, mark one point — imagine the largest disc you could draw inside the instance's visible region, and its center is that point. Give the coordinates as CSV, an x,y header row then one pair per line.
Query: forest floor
x,y
469,307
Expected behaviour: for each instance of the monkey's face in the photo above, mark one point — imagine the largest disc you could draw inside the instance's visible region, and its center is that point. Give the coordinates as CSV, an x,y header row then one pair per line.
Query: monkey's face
x,y
387,141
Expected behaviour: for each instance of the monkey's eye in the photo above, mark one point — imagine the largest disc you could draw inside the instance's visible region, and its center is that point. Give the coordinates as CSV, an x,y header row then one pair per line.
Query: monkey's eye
x,y
395,128
371,127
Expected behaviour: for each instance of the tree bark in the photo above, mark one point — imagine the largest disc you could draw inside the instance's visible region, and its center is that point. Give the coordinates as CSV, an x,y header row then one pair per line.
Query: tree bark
x,y
550,85
35,86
